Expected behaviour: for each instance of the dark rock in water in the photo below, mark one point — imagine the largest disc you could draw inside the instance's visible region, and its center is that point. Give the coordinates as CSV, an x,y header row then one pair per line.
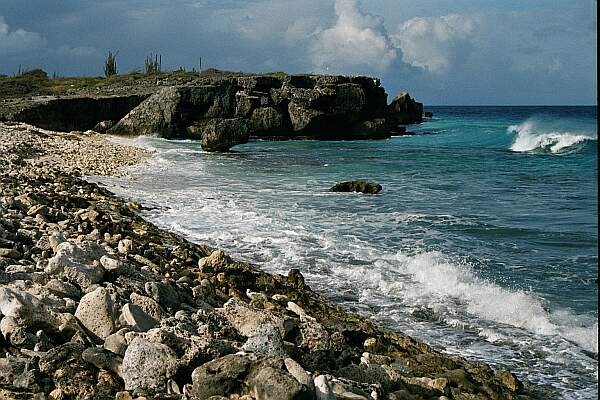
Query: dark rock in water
x,y
357,186
103,126
223,134
427,114
405,110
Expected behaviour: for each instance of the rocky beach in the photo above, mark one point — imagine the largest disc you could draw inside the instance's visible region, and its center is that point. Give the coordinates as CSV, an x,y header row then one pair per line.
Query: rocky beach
x,y
97,303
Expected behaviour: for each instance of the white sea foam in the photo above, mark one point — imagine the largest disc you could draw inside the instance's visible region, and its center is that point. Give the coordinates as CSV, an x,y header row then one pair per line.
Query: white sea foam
x,y
534,136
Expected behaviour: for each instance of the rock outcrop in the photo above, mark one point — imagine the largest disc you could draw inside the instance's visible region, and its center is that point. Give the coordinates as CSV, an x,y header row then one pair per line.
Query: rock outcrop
x,y
296,106
357,186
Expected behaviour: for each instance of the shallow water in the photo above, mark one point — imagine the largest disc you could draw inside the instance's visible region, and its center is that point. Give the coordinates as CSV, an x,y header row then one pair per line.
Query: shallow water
x,y
482,243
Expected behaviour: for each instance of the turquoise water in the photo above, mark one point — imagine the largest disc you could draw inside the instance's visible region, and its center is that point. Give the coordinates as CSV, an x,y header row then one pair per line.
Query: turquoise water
x,y
483,242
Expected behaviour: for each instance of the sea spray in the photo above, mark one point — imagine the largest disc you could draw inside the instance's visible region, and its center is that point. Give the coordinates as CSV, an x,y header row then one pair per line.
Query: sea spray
x,y
538,135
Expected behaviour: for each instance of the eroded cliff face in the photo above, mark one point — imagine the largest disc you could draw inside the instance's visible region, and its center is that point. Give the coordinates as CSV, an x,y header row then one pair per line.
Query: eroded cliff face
x,y
230,110
297,106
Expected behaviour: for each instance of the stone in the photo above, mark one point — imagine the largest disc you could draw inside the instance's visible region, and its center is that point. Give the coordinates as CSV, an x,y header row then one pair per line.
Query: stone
x,y
266,340
222,134
271,383
116,342
56,357
246,320
23,309
103,359
357,186
222,376
63,289
404,110
125,246
96,312
78,264
148,365
148,305
134,317
299,373
55,239
509,380
103,126
266,119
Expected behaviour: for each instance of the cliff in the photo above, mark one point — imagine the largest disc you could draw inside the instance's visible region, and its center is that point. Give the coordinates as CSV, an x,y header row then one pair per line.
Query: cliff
x,y
224,109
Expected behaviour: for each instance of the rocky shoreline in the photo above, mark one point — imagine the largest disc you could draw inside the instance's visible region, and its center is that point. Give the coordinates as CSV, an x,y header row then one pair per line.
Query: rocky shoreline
x,y
97,303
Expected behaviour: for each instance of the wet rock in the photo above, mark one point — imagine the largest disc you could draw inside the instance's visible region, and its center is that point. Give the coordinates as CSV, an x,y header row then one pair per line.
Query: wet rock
x,y
357,186
509,380
148,365
96,312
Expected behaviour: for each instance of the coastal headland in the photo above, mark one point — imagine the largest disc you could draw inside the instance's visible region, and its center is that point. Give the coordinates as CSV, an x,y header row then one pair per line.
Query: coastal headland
x,y
221,109
98,303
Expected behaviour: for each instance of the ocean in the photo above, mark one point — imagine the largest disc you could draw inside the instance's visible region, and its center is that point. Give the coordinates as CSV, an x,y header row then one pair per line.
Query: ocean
x,y
483,242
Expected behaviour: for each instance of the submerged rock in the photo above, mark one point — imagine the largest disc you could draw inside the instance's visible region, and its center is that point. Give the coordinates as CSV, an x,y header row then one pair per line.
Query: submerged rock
x,y
357,186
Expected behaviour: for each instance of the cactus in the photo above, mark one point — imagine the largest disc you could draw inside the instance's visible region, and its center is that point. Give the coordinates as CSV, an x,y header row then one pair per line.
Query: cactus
x,y
153,65
110,65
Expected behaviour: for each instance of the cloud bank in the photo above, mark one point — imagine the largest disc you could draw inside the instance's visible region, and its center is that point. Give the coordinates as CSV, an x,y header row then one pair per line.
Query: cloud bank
x,y
19,40
442,52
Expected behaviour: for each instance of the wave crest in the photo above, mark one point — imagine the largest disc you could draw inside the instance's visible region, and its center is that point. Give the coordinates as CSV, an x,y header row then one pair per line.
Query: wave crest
x,y
533,137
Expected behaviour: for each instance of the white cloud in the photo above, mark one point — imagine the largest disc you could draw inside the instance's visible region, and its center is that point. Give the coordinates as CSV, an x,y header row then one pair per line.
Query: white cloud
x,y
436,43
356,41
18,40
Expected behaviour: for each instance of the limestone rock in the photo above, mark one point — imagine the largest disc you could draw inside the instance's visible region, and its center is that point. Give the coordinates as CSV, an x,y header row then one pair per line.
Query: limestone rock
x,y
222,376
223,134
247,320
96,312
77,263
134,317
148,365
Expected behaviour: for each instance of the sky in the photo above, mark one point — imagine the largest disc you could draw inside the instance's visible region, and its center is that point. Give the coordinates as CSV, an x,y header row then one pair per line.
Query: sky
x,y
460,52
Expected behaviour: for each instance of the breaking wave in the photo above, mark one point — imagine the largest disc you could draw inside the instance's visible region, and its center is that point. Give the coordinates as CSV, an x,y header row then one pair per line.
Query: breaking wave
x,y
535,135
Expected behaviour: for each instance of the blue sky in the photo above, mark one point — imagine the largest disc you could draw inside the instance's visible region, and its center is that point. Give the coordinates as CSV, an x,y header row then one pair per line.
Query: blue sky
x,y
442,52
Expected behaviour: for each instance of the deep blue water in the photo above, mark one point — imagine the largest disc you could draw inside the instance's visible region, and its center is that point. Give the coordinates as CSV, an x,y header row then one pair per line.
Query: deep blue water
x,y
483,242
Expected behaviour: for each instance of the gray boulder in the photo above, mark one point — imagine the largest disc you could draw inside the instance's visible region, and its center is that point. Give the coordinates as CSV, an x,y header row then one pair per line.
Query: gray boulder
x,y
148,365
78,264
96,312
